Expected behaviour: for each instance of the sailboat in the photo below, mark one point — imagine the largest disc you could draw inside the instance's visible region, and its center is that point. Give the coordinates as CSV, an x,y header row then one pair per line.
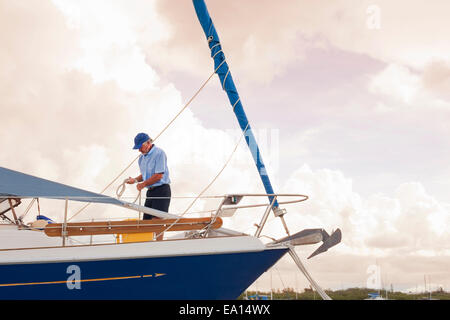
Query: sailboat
x,y
203,260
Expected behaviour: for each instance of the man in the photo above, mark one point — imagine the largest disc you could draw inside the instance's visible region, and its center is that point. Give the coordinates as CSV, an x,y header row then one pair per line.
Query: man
x,y
154,174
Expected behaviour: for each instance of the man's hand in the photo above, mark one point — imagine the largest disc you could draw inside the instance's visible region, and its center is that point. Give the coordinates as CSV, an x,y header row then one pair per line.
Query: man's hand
x,y
140,186
131,180
152,180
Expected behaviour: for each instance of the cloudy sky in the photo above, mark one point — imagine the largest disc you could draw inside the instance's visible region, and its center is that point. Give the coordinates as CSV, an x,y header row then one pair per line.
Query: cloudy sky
x,y
350,101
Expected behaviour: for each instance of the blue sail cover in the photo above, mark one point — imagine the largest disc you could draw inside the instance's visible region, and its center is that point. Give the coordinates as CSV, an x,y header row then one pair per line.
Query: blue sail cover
x,y
222,69
21,185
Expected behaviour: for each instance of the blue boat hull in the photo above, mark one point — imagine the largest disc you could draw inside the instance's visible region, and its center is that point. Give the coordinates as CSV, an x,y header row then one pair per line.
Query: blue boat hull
x,y
206,277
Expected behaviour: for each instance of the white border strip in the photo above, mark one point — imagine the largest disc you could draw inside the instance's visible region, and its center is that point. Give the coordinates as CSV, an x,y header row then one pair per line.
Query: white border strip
x,y
136,250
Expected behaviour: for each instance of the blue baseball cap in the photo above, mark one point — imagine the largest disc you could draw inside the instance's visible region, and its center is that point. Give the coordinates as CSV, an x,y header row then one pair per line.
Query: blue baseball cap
x,y
140,139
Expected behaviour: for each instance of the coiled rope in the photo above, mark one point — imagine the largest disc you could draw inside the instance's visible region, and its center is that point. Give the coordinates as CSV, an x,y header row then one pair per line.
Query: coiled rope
x,y
121,189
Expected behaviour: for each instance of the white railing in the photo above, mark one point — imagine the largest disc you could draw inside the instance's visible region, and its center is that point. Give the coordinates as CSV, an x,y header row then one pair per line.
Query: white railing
x,y
227,207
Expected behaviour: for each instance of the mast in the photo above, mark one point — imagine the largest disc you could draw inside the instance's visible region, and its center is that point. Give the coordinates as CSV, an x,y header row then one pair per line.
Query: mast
x,y
226,80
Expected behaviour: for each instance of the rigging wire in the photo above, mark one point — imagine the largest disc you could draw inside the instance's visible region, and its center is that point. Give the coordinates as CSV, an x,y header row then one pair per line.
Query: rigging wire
x,y
28,209
212,181
165,128
279,276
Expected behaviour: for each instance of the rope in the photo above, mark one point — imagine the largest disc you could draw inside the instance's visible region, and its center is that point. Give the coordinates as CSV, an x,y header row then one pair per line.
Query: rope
x,y
279,276
120,189
165,128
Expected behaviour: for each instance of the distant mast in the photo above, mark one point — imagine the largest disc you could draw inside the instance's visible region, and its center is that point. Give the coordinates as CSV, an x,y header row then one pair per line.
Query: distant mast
x,y
425,284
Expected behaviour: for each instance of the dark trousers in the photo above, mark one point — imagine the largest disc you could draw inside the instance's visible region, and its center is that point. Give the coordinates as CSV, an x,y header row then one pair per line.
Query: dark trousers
x,y
162,204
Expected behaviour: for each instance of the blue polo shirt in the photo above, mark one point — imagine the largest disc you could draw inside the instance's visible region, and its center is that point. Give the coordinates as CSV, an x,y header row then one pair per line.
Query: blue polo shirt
x,y
155,161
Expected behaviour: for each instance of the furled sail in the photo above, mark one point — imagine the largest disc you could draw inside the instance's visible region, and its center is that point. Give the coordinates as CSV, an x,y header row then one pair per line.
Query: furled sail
x,y
14,184
21,185
222,69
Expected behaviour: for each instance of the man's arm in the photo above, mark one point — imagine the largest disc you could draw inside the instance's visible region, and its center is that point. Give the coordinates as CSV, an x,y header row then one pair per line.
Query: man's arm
x,y
153,179
134,180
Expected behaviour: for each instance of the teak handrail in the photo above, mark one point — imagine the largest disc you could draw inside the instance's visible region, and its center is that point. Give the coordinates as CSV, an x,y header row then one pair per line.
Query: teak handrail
x,y
136,226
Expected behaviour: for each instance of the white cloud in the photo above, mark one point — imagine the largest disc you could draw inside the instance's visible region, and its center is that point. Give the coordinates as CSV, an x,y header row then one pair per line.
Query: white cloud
x,y
76,126
410,219
398,82
108,40
406,227
407,89
268,47
436,78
